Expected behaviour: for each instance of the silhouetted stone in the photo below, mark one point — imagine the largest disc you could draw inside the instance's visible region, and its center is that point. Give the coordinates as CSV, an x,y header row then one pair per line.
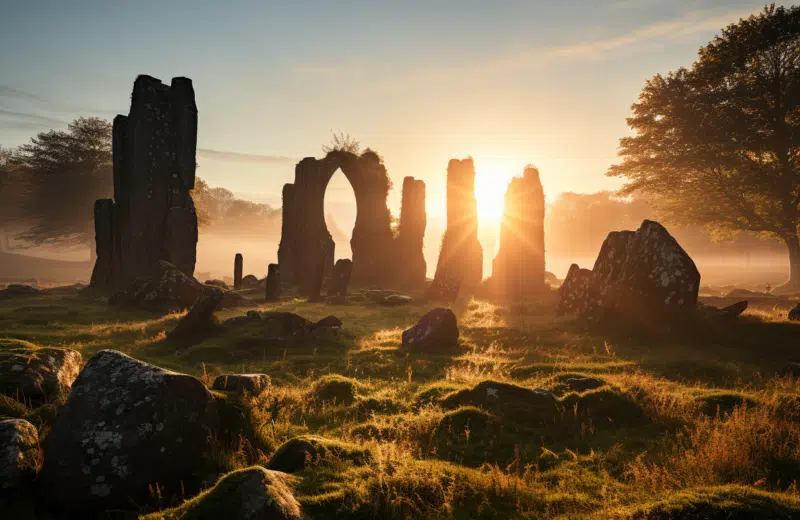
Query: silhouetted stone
x,y
461,256
238,269
250,282
289,231
296,454
126,426
518,268
152,216
410,260
443,289
273,292
14,290
200,320
328,321
19,453
395,300
735,309
574,292
437,331
253,384
341,278
794,313
37,374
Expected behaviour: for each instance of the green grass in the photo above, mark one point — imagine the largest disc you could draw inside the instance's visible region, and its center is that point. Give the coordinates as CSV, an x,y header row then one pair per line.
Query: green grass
x,y
694,425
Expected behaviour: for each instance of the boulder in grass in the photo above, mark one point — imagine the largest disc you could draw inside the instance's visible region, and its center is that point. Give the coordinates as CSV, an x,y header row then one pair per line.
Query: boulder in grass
x,y
200,321
125,426
298,453
252,493
573,295
19,453
437,331
16,290
36,373
253,384
396,300
794,313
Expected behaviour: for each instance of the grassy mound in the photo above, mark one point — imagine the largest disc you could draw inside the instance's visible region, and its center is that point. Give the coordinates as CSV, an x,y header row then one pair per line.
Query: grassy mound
x,y
335,389
310,451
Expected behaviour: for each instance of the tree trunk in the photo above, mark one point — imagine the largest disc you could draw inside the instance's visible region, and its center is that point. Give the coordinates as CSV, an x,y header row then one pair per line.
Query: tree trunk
x,y
793,284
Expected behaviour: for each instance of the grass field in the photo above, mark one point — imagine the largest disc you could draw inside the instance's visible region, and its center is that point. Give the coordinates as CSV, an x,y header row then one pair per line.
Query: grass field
x,y
701,427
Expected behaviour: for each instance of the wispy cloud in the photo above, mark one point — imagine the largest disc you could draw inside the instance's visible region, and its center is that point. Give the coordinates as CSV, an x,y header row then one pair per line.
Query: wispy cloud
x,y
11,92
31,117
245,157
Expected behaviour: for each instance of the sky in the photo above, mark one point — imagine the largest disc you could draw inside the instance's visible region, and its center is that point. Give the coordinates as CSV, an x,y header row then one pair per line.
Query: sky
x,y
507,82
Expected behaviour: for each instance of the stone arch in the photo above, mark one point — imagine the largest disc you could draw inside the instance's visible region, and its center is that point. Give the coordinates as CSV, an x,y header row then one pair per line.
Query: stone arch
x,y
306,245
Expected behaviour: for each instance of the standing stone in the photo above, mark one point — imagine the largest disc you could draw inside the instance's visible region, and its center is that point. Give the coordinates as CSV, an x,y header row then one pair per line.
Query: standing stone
x,y
288,231
341,279
461,256
273,283
574,292
410,260
518,268
152,216
238,267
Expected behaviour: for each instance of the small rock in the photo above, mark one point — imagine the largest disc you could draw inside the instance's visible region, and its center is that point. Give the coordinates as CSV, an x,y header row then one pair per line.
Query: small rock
x,y
296,454
436,331
36,373
582,384
397,299
253,384
19,453
794,314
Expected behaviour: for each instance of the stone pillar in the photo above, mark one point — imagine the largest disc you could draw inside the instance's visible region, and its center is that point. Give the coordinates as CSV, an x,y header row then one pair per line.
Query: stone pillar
x,y
341,279
288,227
518,268
238,269
154,151
461,256
102,274
410,260
273,293
315,285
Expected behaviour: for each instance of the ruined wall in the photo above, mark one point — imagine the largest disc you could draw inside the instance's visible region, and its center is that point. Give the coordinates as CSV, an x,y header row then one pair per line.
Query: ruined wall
x,y
154,153
461,255
518,268
410,260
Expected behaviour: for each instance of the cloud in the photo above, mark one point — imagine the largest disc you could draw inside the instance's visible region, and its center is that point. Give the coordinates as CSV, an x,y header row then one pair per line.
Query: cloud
x,y
7,91
245,157
32,118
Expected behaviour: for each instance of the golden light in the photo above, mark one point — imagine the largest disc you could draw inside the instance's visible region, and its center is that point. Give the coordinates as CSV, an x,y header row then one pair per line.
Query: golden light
x,y
492,175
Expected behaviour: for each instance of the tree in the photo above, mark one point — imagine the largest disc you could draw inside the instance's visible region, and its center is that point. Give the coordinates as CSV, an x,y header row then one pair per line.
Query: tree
x,y
342,142
719,143
61,174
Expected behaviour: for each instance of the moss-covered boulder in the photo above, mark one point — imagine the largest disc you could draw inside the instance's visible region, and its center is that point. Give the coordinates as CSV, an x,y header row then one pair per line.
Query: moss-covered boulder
x,y
19,453
126,426
334,389
301,452
29,372
252,493
437,331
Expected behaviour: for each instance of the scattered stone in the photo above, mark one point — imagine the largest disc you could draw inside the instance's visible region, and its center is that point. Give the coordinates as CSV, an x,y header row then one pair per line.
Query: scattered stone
x,y
250,282
19,453
794,313
394,300
238,267
574,292
126,425
200,321
302,452
36,373
328,321
583,384
341,278
252,493
217,283
253,384
15,290
437,331
735,309
273,293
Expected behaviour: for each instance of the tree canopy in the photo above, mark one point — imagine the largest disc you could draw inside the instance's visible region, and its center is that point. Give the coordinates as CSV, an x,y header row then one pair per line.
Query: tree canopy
x,y
719,143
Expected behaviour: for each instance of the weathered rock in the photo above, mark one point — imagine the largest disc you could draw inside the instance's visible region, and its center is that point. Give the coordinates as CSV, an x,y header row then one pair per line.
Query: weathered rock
x,y
167,289
574,292
329,321
200,321
273,293
394,300
126,425
152,216
36,373
410,260
19,453
251,383
341,278
238,266
250,282
217,283
582,384
735,309
298,453
437,331
794,313
13,290
518,268
461,255
252,493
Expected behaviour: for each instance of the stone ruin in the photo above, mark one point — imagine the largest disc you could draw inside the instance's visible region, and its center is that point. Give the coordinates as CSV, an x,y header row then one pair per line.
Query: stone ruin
x,y
306,252
238,270
460,262
152,216
411,234
518,268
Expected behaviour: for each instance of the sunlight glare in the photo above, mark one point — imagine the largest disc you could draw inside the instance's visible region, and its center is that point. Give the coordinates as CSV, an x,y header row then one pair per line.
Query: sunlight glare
x,y
492,175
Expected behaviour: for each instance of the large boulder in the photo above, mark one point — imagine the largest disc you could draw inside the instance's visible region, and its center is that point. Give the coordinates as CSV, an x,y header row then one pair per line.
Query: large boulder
x,y
252,493
36,373
574,292
437,331
126,426
167,289
300,452
19,453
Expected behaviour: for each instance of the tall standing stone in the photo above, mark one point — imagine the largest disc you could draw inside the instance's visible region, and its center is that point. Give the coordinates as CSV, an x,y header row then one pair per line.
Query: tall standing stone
x,y
154,161
411,266
288,231
518,268
273,293
461,256
238,268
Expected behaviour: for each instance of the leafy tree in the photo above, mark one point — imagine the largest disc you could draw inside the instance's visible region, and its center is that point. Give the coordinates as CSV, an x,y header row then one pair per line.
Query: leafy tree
x,y
719,143
60,174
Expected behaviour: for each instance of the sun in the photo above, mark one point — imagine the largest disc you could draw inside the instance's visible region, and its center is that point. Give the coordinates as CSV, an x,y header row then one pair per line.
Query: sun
x,y
491,181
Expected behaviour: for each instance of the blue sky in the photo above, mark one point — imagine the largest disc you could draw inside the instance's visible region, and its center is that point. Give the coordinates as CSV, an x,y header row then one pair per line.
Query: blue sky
x,y
508,82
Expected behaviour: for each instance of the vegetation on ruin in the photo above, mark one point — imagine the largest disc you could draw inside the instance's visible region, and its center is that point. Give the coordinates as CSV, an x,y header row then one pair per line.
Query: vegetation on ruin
x,y
677,428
